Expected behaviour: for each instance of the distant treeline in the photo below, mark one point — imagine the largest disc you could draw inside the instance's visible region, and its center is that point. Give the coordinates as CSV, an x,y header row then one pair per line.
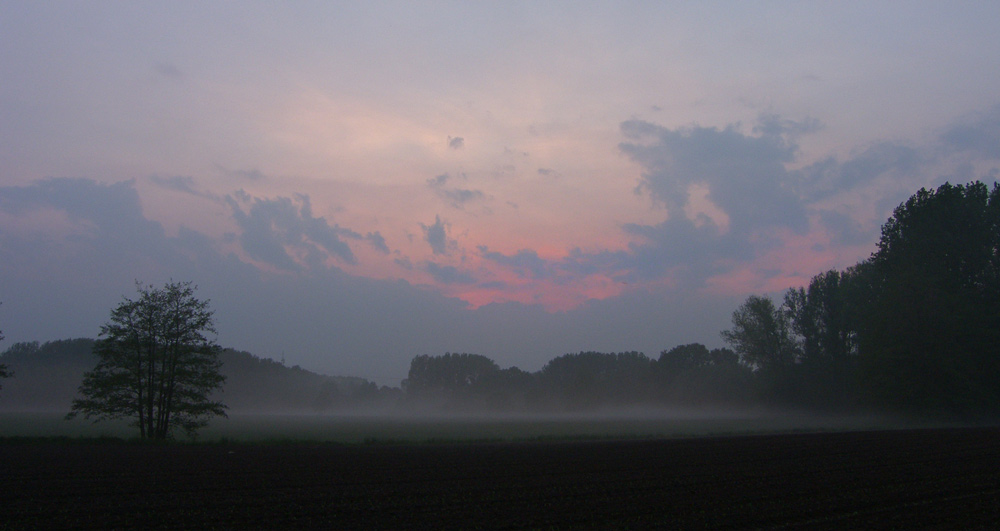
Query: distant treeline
x,y
47,376
914,329
687,375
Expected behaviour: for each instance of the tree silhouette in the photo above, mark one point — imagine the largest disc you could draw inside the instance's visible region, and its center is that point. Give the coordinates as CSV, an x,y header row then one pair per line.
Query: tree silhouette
x,y
448,378
762,335
155,364
5,372
932,320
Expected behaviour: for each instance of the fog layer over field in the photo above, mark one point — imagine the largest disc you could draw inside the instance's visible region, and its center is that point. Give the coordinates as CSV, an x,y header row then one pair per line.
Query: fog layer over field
x,y
390,427
449,397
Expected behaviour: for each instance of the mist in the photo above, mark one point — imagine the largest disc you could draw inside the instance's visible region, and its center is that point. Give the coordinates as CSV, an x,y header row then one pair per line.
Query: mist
x,y
458,397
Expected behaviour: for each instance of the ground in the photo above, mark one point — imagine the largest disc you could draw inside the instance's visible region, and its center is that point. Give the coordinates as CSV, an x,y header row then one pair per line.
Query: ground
x,y
941,478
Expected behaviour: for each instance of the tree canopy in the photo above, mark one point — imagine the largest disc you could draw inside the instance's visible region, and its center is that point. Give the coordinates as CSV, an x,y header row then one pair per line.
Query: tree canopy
x,y
155,364
930,331
762,335
914,328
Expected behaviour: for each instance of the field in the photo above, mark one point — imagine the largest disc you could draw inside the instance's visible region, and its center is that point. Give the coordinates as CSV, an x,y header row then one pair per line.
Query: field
x,y
904,478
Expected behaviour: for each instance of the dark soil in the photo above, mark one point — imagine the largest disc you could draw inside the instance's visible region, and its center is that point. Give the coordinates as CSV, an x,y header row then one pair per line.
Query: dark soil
x,y
891,479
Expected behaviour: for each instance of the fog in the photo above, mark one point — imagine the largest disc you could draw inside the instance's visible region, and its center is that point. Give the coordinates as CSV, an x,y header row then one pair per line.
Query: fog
x,y
388,427
447,398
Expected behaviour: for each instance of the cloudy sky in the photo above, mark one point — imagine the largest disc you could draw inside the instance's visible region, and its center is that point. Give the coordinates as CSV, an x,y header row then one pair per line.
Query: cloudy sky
x,y
353,185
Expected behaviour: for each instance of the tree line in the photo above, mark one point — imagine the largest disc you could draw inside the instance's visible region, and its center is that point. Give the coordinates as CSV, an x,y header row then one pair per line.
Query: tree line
x,y
912,329
585,381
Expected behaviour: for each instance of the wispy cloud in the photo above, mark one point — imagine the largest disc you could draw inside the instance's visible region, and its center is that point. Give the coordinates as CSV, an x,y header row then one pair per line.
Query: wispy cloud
x,y
457,197
167,69
249,174
182,184
979,134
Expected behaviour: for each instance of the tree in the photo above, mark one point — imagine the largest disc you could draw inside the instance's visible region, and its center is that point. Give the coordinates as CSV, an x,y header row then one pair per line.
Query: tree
x,y
932,320
762,335
684,357
4,371
589,380
155,364
820,317
693,374
824,319
448,378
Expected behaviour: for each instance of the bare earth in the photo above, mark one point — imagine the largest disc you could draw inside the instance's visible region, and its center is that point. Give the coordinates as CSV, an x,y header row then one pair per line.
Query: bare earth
x,y
889,479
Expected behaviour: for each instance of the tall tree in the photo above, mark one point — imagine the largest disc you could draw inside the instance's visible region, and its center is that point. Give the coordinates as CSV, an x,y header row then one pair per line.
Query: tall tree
x,y
156,365
5,372
593,379
823,319
820,316
933,319
762,335
694,375
448,377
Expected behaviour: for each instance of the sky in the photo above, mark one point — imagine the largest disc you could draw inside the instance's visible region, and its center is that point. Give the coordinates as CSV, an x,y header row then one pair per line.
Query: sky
x,y
354,184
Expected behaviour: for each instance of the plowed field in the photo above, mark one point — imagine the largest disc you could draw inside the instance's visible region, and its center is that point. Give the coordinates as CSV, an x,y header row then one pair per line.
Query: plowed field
x,y
903,479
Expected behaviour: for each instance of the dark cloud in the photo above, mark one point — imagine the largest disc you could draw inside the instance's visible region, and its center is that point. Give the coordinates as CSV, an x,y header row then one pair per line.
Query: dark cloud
x,y
745,175
845,230
525,263
830,176
270,227
677,248
252,174
980,135
446,274
106,213
457,197
177,183
776,126
181,184
436,236
456,142
678,243
167,69
377,241
439,181
85,246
